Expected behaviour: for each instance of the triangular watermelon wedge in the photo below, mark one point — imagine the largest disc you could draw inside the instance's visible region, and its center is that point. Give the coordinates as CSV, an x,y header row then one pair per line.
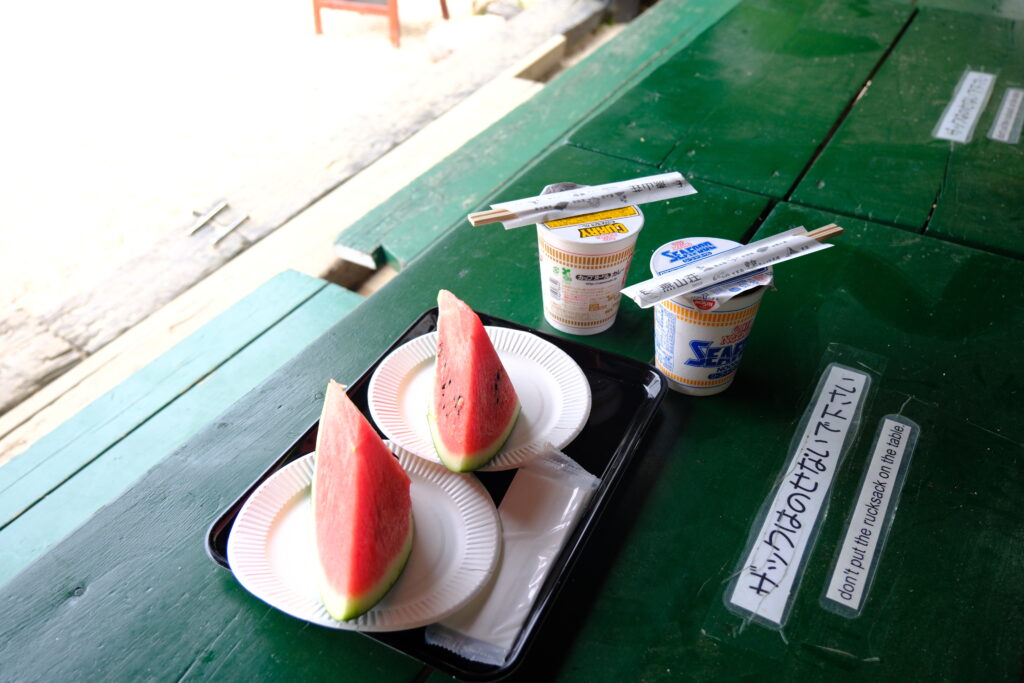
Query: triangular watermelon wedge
x,y
362,510
474,406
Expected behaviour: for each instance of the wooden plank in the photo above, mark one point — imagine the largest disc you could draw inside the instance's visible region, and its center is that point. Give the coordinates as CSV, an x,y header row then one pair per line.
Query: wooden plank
x,y
884,162
542,61
82,438
1010,9
430,205
748,103
105,478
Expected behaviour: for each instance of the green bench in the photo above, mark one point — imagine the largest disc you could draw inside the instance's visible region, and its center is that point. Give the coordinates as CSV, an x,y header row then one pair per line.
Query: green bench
x,y
400,229
89,460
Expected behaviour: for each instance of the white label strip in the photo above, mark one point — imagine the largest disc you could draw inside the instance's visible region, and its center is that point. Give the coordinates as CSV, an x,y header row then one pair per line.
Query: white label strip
x,y
775,559
869,522
733,263
964,110
593,198
1006,127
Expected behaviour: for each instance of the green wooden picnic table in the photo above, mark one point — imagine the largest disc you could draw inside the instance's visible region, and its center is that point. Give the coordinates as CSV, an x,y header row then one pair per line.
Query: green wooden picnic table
x,y
131,594
888,162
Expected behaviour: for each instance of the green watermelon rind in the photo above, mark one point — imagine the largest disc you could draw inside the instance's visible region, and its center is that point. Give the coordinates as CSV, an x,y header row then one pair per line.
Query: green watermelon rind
x,y
347,607
467,462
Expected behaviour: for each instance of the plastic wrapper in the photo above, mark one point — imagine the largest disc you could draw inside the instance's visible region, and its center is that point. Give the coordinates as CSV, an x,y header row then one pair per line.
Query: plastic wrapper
x,y
538,513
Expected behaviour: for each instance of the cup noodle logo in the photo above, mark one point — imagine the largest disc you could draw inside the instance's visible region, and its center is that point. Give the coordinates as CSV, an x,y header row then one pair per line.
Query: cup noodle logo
x,y
703,304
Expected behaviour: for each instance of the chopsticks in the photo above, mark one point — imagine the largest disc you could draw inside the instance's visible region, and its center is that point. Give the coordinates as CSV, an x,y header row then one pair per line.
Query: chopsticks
x,y
825,232
500,215
581,200
730,264
492,216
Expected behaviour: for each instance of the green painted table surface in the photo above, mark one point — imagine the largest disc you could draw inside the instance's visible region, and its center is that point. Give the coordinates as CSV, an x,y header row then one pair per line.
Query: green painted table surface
x,y
1011,9
132,595
748,102
748,95
885,164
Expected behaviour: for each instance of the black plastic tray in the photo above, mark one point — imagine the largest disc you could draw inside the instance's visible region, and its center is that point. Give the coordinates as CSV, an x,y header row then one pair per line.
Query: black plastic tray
x,y
625,395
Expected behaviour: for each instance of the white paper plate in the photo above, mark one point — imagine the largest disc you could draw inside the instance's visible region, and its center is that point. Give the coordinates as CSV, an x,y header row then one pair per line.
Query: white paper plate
x,y
272,551
553,391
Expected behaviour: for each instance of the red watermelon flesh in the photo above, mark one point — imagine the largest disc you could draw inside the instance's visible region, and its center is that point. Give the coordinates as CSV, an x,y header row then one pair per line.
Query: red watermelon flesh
x,y
362,511
474,405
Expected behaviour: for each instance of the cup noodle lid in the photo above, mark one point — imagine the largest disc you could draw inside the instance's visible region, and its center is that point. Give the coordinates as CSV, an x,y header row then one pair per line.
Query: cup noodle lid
x,y
683,252
595,232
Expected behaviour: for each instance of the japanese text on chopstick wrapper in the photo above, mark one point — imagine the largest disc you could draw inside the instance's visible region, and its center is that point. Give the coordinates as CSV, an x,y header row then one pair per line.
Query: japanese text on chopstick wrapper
x,y
589,199
774,561
712,271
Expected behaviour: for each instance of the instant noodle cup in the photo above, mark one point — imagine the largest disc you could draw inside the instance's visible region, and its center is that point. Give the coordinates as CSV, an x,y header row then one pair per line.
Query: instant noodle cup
x,y
584,261
699,338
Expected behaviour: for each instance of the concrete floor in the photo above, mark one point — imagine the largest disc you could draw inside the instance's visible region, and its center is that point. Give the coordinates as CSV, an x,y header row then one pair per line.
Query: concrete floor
x,y
123,118
123,121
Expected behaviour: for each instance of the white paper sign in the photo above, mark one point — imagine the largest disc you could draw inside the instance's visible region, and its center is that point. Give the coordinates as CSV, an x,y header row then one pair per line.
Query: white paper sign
x,y
964,110
1006,127
593,198
774,562
869,522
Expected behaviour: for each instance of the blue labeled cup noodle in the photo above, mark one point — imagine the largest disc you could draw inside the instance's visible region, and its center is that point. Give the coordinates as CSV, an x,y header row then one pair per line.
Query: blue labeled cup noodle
x,y
699,337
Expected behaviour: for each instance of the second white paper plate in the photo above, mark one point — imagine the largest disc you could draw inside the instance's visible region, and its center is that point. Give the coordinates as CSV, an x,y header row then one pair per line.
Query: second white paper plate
x,y
553,391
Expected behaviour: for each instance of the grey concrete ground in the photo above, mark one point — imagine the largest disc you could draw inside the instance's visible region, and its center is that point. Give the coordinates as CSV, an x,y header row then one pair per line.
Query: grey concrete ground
x,y
123,120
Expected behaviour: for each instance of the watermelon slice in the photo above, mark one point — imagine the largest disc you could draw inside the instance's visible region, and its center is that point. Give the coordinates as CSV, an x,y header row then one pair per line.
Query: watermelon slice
x,y
475,406
362,512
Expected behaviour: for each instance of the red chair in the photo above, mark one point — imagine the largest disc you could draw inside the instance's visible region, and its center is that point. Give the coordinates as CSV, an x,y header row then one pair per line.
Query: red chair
x,y
386,7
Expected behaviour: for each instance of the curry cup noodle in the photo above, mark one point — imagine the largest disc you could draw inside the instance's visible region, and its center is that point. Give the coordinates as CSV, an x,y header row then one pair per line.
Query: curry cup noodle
x,y
699,337
584,261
